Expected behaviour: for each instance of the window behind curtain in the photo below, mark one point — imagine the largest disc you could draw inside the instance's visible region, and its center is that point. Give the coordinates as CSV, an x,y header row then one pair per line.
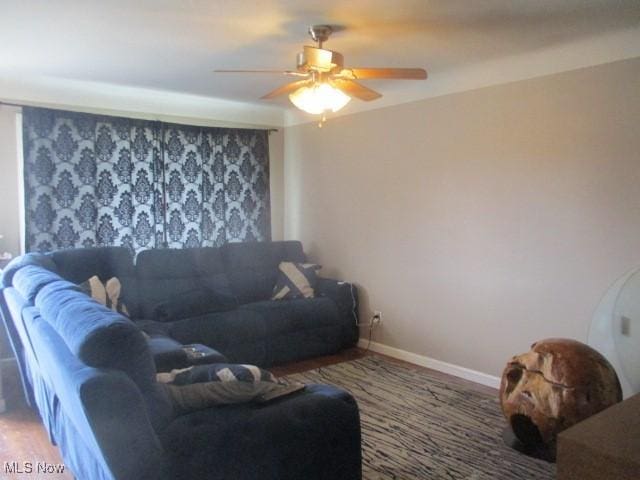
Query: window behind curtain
x,y
95,180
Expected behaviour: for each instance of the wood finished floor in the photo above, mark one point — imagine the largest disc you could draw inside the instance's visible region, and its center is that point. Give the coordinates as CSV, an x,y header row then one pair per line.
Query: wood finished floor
x,y
24,439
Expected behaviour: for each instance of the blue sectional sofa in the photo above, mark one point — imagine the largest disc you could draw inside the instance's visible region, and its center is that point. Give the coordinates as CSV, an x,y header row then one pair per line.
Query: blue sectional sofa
x,y
91,372
260,331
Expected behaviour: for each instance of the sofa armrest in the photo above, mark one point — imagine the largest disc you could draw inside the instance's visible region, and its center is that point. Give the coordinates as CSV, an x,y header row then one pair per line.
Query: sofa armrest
x,y
312,435
346,297
343,293
169,354
114,410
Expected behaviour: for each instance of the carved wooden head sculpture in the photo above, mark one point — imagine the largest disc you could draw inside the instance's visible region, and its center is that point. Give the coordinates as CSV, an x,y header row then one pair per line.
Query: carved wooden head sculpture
x,y
556,384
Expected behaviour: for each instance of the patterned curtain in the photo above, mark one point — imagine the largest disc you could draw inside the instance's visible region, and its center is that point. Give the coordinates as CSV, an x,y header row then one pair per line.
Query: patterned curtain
x,y
94,180
216,184
240,161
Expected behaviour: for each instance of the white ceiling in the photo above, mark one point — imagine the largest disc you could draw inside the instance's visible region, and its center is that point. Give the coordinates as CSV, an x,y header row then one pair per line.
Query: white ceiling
x,y
173,45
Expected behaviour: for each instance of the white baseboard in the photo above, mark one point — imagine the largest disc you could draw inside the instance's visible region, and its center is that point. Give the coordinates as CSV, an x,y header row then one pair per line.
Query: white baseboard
x,y
423,361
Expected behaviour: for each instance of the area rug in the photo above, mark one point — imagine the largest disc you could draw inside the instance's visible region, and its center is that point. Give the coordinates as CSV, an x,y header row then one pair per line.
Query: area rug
x,y
420,425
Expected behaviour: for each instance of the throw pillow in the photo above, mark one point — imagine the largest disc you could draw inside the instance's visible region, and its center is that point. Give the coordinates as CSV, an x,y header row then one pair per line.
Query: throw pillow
x,y
295,280
202,386
107,293
193,303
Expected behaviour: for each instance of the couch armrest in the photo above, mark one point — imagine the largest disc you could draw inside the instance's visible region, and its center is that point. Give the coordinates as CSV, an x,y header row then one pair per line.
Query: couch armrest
x,y
169,354
112,405
311,435
346,297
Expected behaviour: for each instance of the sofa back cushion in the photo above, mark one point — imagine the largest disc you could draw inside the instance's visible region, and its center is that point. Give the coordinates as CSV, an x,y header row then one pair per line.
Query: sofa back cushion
x,y
29,280
252,267
163,274
97,335
79,264
37,259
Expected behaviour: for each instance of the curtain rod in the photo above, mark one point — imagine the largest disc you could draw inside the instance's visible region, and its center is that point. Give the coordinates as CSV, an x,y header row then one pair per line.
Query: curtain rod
x,y
9,104
20,105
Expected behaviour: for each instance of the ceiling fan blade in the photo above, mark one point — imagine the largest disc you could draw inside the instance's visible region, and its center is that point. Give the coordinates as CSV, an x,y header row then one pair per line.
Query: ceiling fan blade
x,y
354,89
282,72
288,88
398,73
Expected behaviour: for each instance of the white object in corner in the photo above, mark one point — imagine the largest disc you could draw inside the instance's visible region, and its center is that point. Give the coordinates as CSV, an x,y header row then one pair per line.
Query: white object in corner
x,y
608,334
440,366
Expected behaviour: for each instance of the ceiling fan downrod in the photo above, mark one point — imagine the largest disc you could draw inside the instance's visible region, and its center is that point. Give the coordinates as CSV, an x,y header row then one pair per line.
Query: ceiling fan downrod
x,y
320,33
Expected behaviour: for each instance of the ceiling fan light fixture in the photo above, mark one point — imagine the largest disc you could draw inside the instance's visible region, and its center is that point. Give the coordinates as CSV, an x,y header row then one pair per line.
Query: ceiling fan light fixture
x,y
318,98
324,84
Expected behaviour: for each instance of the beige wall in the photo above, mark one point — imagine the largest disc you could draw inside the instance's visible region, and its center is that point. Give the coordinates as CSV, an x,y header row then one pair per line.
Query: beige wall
x,y
276,183
9,204
9,196
477,222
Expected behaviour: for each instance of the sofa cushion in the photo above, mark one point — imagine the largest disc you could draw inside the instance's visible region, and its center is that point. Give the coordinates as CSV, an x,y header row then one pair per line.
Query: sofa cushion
x,y
294,315
55,295
295,280
252,267
239,335
267,332
35,259
166,273
78,264
193,303
29,280
298,328
219,328
97,335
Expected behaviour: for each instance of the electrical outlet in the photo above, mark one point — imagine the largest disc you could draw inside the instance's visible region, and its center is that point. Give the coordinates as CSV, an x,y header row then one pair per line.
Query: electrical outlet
x,y
377,317
625,326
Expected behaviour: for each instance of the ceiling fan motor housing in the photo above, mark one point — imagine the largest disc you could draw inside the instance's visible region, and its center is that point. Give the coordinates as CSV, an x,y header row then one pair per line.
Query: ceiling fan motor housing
x,y
318,60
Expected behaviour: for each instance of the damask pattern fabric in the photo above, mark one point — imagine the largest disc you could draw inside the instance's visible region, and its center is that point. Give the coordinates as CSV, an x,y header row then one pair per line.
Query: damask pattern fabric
x,y
217,185
94,180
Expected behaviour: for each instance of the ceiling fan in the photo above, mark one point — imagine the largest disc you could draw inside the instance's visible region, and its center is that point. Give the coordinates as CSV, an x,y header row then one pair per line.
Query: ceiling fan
x,y
324,83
